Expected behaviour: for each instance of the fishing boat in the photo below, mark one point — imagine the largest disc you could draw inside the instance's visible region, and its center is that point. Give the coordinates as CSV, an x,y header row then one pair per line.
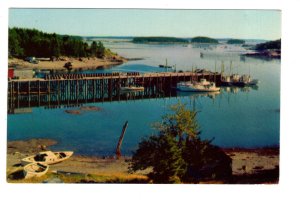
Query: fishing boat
x,y
166,65
229,80
202,86
34,170
245,80
132,88
237,80
47,157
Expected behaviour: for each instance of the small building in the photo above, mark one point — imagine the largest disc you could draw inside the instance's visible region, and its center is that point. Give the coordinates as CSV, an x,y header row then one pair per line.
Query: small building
x,y
10,72
23,73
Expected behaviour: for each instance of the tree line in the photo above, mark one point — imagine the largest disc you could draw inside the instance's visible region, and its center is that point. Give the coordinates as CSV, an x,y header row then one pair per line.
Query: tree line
x,y
201,39
275,45
31,42
235,41
198,39
158,40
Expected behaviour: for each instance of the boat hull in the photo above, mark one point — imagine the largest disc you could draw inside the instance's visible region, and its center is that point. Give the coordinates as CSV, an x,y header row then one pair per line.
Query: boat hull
x,y
56,157
202,86
34,170
129,89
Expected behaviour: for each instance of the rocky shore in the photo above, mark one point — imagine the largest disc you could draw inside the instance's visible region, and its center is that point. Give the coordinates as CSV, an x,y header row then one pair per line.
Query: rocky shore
x,y
265,54
248,165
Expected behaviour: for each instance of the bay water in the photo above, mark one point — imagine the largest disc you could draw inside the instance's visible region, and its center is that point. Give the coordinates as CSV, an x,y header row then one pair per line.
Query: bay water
x,y
237,117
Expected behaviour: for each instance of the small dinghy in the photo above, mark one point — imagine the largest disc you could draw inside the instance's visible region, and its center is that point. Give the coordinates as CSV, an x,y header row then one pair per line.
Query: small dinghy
x,y
132,89
47,157
35,170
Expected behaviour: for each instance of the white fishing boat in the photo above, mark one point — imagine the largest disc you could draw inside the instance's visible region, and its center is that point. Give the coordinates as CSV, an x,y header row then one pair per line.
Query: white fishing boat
x,y
132,88
47,157
34,170
246,80
202,86
236,79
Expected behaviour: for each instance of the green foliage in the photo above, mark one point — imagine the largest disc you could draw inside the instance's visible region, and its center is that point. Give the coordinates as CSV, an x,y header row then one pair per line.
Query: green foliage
x,y
158,40
205,161
235,41
181,123
14,44
31,42
163,154
274,45
178,153
204,40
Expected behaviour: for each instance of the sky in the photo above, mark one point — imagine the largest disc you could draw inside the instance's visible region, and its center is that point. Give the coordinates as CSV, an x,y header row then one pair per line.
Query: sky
x,y
243,24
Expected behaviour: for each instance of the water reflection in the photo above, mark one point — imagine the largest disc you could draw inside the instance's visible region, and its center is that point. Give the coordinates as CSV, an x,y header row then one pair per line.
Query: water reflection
x,y
235,89
22,103
211,95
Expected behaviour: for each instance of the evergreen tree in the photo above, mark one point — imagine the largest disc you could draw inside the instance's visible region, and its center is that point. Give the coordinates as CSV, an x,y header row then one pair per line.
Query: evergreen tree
x,y
94,47
100,50
14,44
178,153
31,42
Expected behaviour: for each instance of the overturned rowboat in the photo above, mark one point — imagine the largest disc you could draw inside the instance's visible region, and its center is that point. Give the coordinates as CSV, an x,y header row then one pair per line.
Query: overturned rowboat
x,y
47,157
35,170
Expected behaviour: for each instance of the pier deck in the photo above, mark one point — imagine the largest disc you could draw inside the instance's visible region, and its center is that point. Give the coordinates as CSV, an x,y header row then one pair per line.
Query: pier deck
x,y
68,89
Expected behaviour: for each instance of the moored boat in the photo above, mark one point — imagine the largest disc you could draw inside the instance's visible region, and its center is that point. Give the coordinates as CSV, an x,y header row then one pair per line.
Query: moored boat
x,y
166,65
132,88
34,170
237,80
47,157
246,80
202,86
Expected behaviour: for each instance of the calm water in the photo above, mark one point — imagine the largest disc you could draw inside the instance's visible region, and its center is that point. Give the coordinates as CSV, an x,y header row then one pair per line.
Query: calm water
x,y
236,117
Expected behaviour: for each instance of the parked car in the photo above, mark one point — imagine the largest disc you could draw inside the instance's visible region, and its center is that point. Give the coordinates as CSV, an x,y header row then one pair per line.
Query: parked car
x,y
32,60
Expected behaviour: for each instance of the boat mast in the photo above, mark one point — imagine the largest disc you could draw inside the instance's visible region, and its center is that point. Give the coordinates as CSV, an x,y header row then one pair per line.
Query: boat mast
x,y
222,68
249,70
166,66
192,77
230,67
215,71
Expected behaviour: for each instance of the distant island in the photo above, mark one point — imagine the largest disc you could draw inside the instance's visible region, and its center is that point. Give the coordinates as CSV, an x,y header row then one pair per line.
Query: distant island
x,y
235,41
271,49
272,45
158,40
201,39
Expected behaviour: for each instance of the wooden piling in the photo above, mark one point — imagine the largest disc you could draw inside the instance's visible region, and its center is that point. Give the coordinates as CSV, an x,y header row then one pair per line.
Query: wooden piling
x,y
118,149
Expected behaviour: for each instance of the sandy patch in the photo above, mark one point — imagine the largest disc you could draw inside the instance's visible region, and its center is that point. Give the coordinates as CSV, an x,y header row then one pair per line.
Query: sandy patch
x,y
83,63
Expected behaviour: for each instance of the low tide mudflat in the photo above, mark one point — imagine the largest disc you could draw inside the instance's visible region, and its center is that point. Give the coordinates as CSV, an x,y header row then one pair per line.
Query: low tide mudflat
x,y
248,166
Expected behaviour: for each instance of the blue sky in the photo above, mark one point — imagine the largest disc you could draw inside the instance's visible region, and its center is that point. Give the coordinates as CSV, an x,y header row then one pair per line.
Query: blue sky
x,y
245,24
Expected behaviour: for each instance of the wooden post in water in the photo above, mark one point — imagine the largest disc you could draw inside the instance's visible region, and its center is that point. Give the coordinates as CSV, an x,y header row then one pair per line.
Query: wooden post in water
x,y
118,150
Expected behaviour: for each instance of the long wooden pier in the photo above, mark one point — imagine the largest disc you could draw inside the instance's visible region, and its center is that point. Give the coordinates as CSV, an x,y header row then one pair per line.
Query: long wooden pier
x,y
69,89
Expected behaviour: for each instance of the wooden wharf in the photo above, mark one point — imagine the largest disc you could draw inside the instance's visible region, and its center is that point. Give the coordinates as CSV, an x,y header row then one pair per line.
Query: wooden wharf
x,y
70,89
